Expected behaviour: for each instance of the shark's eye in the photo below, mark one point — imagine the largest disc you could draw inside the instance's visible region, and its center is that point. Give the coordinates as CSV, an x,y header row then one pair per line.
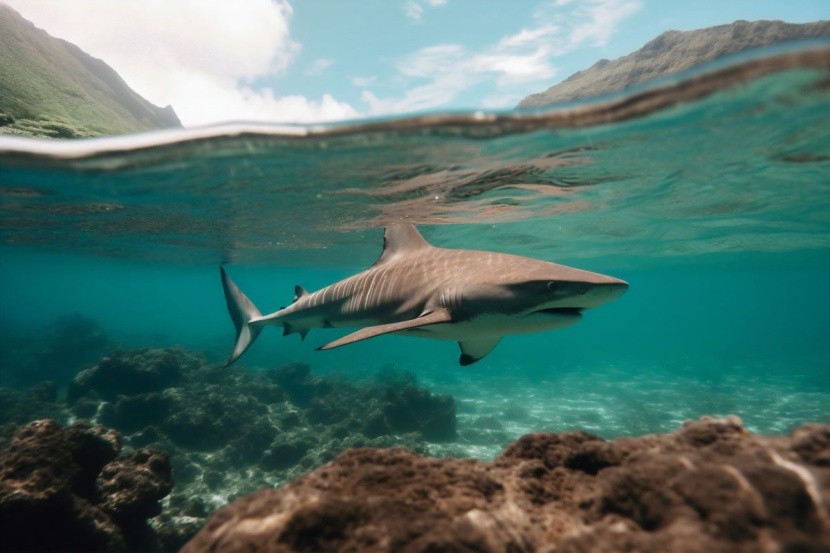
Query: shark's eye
x,y
551,285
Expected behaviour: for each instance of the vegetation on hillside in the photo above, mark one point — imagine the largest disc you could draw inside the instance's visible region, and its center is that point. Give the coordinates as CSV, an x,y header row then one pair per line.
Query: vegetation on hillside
x,y
50,87
672,52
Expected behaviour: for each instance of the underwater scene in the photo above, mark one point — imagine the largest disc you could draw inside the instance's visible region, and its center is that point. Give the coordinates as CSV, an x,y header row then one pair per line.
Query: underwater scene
x,y
708,193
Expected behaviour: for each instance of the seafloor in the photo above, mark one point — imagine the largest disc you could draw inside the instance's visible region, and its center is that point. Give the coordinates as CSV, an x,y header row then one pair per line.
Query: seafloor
x,y
116,449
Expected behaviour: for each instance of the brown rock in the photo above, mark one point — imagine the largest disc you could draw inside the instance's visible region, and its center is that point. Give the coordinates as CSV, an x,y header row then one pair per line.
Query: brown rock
x,y
64,489
132,486
711,486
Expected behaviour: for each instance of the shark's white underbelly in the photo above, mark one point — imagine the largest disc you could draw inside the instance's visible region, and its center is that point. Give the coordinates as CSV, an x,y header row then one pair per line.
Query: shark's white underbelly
x,y
495,325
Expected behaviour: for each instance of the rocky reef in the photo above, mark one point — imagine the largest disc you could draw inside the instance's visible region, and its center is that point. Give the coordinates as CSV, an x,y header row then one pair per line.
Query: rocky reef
x,y
155,415
711,486
277,423
228,431
74,489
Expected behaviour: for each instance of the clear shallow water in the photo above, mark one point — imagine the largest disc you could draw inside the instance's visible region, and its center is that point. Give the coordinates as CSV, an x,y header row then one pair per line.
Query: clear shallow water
x,y
715,208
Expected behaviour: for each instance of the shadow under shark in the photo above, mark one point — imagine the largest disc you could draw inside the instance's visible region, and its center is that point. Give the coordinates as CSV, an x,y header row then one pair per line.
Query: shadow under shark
x,y
416,289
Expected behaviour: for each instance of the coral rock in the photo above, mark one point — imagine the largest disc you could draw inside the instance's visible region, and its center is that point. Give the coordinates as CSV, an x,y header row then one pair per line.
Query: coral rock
x,y
711,486
132,372
134,485
65,489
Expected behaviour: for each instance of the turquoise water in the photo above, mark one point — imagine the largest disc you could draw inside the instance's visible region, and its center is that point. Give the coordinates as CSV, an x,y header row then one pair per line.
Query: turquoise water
x,y
716,211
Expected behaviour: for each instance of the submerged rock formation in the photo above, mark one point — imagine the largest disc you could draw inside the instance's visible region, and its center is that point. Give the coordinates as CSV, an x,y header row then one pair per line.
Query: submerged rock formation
x,y
227,432
230,432
171,399
711,486
68,489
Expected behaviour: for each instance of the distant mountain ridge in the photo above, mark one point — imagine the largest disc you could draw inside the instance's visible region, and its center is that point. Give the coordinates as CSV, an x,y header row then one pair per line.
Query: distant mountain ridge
x,y
50,87
672,52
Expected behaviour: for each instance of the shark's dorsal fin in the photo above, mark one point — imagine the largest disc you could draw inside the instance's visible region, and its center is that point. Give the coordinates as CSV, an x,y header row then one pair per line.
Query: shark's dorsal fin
x,y
400,239
299,292
441,315
475,349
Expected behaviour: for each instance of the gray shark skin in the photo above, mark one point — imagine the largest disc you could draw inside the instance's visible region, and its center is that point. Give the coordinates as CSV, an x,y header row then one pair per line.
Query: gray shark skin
x,y
416,289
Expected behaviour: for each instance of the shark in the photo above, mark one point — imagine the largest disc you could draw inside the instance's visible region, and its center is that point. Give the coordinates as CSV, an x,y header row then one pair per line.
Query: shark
x,y
417,289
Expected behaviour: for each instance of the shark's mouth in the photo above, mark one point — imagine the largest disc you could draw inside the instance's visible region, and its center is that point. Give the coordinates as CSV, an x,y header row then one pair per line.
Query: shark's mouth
x,y
562,311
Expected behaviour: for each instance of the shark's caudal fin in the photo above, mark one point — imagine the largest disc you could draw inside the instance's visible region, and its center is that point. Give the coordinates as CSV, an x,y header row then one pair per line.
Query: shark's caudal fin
x,y
242,311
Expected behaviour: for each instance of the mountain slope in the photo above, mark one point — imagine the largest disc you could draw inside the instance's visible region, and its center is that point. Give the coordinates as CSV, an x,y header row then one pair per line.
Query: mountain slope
x,y
50,87
672,52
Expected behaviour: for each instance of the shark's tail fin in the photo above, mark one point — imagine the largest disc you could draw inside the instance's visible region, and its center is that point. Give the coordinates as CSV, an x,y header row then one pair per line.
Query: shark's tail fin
x,y
242,311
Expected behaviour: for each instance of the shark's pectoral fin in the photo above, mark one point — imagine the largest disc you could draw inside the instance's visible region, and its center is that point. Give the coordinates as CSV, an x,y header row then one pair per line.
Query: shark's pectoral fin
x,y
442,315
474,349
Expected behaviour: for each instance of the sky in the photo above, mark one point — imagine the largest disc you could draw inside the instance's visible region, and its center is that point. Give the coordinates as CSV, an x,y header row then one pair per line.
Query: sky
x,y
302,61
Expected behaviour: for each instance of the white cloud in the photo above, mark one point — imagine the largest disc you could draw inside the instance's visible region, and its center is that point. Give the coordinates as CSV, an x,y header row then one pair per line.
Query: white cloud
x,y
363,82
603,17
528,36
413,10
440,73
433,60
201,56
318,66
440,91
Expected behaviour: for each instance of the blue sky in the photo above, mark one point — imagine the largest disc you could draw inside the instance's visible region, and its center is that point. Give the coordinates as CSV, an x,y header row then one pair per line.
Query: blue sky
x,y
313,60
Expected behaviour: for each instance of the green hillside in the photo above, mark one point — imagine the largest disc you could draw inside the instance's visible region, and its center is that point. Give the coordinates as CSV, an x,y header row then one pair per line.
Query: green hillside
x,y
673,52
49,87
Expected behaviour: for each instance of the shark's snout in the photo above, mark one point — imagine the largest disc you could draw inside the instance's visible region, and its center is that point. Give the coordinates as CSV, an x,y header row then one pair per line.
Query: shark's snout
x,y
604,292
585,294
617,289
